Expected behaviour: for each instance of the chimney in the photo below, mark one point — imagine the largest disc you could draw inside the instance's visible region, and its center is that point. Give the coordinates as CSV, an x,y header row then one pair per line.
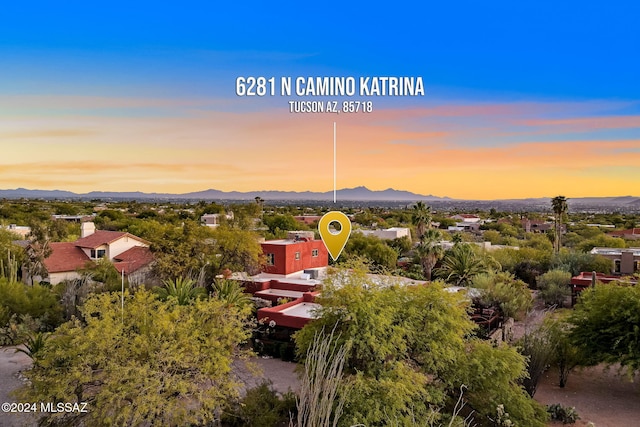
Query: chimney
x,y
87,229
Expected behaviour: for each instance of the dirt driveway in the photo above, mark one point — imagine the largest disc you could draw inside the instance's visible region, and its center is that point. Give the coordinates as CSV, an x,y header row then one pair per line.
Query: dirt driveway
x,y
599,395
10,363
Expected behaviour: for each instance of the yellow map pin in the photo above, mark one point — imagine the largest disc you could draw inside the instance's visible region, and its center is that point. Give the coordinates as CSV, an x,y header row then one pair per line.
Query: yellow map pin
x,y
333,239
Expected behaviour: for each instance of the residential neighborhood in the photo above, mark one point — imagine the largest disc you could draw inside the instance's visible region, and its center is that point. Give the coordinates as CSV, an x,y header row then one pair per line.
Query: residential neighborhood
x,y
319,214
505,280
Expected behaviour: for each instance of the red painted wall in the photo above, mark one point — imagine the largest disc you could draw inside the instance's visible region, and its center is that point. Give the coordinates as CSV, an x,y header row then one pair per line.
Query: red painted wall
x,y
281,319
284,256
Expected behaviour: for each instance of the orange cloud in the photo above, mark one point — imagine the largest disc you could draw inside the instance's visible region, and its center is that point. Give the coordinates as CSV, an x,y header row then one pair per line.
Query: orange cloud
x,y
437,150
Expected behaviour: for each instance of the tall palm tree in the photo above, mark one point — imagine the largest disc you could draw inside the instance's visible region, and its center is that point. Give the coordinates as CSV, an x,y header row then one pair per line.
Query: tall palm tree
x,y
559,205
421,218
429,251
260,203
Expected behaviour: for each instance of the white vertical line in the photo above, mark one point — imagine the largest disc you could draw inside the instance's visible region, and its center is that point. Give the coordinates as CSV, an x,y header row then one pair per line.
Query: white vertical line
x,y
122,297
334,162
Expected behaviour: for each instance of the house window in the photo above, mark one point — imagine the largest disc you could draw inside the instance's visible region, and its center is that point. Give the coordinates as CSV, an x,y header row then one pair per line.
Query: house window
x,y
95,254
616,265
297,256
271,259
314,252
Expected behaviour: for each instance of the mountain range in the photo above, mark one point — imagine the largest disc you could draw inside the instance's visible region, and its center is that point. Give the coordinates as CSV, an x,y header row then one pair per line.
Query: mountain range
x,y
345,194
350,194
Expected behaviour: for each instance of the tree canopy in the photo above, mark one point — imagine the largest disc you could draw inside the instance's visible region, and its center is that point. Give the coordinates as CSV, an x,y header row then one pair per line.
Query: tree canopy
x,y
606,324
162,363
188,250
410,348
372,248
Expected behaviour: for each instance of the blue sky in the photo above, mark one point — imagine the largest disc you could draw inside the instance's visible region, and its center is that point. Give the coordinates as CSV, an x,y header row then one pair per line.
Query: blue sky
x,y
546,49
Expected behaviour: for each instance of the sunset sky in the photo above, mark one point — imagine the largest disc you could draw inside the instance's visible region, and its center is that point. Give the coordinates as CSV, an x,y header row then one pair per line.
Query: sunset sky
x,y
520,100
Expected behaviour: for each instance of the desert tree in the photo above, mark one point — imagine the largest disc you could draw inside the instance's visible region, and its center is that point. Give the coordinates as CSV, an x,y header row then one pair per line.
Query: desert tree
x,y
604,324
161,364
409,349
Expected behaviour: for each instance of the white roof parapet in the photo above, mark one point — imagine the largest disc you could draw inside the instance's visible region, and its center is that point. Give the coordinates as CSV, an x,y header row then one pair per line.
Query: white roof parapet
x,y
614,251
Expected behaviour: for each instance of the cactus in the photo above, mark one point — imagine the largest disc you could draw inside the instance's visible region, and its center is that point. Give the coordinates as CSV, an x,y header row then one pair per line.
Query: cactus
x,y
9,270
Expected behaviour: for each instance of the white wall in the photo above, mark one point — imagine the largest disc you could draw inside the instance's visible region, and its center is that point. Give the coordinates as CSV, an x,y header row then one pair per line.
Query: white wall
x,y
55,278
123,244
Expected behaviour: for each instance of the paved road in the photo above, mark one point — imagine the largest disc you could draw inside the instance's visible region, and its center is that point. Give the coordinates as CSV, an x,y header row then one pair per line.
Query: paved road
x,y
10,363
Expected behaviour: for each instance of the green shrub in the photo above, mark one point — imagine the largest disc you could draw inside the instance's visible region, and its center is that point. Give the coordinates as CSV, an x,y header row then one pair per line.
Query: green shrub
x,y
505,291
566,414
262,407
35,301
5,315
554,286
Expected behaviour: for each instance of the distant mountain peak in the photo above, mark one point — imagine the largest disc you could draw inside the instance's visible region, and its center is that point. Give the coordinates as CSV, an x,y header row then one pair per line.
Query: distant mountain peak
x,y
356,194
359,193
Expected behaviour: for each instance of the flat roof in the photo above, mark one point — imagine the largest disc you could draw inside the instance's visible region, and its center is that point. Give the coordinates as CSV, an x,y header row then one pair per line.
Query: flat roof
x,y
286,241
306,310
295,277
615,251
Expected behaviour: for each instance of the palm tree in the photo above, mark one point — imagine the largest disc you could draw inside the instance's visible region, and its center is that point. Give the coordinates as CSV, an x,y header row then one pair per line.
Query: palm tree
x,y
260,203
461,264
559,205
182,289
421,218
429,251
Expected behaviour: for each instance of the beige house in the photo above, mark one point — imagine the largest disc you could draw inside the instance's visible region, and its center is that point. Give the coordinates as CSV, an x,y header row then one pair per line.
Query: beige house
x,y
625,261
214,220
388,233
129,254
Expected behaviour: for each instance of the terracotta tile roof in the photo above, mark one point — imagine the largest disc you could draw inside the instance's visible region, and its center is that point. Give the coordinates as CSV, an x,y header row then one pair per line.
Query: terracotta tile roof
x,y
65,256
133,259
631,231
102,237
